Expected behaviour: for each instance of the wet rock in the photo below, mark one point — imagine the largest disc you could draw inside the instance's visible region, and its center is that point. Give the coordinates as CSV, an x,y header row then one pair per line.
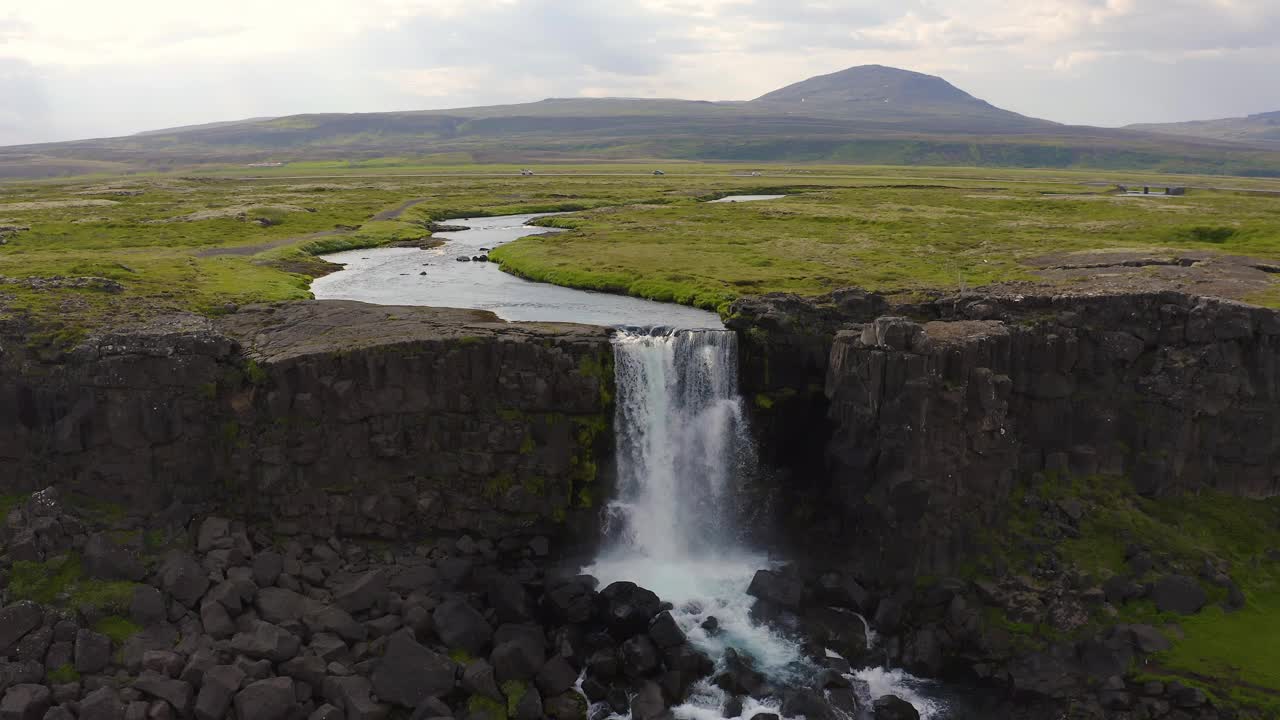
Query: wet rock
x,y
462,627
639,657
569,706
892,707
809,704
665,632
739,677
711,625
556,677
629,608
784,591
273,699
648,703
409,673
1178,593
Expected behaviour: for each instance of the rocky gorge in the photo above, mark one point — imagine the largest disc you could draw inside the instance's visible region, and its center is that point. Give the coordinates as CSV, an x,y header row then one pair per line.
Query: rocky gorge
x,y
341,510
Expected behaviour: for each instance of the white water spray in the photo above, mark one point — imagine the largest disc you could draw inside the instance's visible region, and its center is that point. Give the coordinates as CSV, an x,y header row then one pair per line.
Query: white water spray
x,y
683,448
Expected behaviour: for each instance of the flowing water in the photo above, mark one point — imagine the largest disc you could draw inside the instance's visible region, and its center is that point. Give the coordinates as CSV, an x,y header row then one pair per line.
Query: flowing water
x,y
683,448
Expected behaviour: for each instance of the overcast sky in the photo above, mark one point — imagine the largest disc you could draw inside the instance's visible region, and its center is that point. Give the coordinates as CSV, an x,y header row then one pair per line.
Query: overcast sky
x,y
89,68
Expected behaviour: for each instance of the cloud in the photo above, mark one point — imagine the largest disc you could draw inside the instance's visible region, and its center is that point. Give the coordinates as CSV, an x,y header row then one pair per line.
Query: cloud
x,y
75,68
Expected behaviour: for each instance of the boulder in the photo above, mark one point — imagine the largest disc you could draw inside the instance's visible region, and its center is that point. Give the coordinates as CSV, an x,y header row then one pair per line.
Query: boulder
x,y
508,598
431,708
639,657
810,704
528,705
363,592
478,679
147,606
216,620
648,703
556,677
331,619
34,646
221,683
354,695
569,706
93,651
519,658
462,627
268,642
280,606
629,608
784,591
665,632
308,669
17,620
183,578
102,704
843,591
25,702
175,692
267,566
571,602
1178,593
892,707
409,673
104,559
739,677
273,699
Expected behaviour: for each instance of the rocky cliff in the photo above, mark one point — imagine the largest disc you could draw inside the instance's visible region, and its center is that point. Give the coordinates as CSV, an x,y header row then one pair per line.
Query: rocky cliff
x,y
322,417
935,410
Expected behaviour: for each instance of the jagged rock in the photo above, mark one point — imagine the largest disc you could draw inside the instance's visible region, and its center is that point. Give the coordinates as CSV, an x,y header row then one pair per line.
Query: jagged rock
x,y
529,705
519,658
711,625
892,707
353,694
92,651
216,620
104,559
221,683
330,712
328,646
25,702
462,627
829,678
639,657
739,677
842,591
648,703
308,669
183,578
279,606
175,692
409,673
1178,593
331,619
508,598
478,679
629,608
665,632
809,704
363,592
569,706
272,699
889,612
431,708
604,664
268,642
784,591
147,606
556,677
102,704
572,601
1147,639
17,620
35,645
688,660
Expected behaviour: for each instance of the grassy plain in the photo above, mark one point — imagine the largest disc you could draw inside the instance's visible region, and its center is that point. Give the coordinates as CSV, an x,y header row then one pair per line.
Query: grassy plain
x,y
206,242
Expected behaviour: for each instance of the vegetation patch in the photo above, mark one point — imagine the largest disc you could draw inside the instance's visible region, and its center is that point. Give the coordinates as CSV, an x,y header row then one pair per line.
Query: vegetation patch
x,y
61,582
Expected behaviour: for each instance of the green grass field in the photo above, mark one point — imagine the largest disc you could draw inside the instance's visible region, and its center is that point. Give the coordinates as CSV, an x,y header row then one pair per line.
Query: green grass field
x,y
203,243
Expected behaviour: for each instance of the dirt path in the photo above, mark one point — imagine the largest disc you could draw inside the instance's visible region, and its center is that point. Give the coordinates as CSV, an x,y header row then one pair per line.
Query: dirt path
x,y
244,250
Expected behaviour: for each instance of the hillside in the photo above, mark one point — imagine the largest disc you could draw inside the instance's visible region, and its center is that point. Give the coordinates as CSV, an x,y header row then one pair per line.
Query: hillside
x,y
1261,130
867,114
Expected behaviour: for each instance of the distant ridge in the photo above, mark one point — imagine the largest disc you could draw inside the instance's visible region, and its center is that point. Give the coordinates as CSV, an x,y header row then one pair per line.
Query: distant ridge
x,y
1261,130
865,114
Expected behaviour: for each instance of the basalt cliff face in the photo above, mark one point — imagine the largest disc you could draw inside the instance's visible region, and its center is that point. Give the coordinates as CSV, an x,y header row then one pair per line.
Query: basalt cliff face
x,y
932,412
323,418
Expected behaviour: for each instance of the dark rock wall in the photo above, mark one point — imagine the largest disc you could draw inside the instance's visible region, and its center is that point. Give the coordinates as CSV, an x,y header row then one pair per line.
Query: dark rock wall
x,y
324,416
934,419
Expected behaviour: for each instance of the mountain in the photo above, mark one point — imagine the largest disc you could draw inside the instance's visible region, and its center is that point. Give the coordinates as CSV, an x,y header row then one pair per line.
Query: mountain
x,y
866,114
1261,130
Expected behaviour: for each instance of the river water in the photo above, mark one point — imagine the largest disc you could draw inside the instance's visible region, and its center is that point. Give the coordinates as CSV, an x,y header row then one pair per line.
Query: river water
x,y
434,277
682,445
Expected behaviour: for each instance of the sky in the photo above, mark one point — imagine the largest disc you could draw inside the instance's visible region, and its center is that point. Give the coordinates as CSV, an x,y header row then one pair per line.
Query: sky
x,y
74,69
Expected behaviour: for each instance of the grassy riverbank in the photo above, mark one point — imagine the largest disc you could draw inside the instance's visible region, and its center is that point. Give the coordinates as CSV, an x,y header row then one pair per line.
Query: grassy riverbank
x,y
168,243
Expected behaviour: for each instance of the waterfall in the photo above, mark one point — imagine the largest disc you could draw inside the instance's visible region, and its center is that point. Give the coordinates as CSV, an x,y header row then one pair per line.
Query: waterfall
x,y
683,449
682,444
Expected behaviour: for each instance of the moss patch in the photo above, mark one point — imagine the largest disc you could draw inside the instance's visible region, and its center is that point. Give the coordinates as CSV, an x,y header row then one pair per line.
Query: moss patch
x,y
63,674
118,628
61,582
